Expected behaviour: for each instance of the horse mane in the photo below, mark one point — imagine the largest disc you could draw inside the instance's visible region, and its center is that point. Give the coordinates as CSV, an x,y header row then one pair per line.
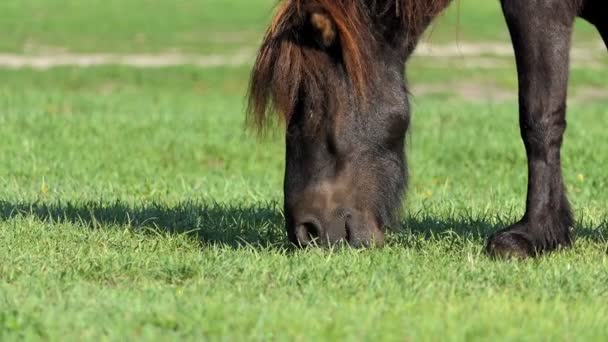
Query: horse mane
x,y
290,62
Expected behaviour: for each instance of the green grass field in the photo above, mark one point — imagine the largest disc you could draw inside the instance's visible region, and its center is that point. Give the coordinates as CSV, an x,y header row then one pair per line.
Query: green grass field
x,y
134,205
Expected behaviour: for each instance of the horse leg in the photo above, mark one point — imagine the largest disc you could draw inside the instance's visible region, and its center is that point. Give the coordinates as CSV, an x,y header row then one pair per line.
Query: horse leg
x,y
540,33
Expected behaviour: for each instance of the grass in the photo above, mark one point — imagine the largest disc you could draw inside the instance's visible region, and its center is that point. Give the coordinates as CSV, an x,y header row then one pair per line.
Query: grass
x,y
133,205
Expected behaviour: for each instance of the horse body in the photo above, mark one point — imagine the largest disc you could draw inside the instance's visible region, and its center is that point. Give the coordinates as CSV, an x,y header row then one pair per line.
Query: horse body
x,y
334,71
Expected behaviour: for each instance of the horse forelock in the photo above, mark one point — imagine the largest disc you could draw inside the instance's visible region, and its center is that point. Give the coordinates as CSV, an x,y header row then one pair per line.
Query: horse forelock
x,y
285,68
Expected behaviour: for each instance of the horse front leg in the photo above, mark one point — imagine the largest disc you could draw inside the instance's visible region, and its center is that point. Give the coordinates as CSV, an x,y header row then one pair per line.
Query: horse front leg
x,y
540,32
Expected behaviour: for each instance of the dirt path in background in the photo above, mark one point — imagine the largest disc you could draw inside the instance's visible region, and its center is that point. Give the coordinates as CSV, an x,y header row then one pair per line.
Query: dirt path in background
x,y
47,61
468,55
498,49
483,91
460,55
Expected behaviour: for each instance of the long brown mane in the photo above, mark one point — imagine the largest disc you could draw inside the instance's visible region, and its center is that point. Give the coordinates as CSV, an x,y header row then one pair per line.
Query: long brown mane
x,y
290,64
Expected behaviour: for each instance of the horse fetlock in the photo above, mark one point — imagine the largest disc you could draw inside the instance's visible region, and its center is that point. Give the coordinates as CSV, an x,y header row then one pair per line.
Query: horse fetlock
x,y
532,237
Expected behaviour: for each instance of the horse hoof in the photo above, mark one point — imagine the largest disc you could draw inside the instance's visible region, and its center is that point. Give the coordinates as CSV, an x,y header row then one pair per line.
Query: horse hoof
x,y
510,243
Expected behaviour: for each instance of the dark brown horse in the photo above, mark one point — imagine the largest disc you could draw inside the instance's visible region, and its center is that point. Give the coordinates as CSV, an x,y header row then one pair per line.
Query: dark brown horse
x,y
334,72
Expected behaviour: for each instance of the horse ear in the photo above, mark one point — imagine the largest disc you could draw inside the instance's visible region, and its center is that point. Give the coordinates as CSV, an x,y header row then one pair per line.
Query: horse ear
x,y
324,27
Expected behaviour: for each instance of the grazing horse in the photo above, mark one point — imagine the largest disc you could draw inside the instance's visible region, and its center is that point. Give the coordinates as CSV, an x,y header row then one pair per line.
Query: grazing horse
x,y
333,71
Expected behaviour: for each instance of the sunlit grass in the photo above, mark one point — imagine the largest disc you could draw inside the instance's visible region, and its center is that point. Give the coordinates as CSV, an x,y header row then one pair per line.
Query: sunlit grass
x,y
133,203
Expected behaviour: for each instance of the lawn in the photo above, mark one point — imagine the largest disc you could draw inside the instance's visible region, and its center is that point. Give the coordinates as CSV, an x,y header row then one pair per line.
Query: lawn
x,y
134,204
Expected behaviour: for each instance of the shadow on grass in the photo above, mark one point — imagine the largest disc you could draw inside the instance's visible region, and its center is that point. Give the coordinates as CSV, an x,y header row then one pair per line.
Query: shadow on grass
x,y
211,223
258,226
479,228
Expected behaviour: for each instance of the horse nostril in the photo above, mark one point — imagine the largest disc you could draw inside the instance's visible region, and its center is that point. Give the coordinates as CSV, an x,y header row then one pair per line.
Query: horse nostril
x,y
361,233
308,232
